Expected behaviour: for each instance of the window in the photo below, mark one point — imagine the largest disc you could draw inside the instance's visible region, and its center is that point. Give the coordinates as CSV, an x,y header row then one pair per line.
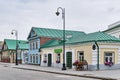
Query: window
x,y
80,56
33,58
109,57
36,45
58,58
36,59
45,58
33,33
33,46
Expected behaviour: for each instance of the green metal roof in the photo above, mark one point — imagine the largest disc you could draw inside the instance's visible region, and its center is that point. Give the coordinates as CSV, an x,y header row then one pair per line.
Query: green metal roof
x,y
91,37
53,33
50,43
11,44
96,36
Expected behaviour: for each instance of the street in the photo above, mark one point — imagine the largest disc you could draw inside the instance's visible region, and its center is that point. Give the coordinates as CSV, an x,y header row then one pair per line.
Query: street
x,y
9,73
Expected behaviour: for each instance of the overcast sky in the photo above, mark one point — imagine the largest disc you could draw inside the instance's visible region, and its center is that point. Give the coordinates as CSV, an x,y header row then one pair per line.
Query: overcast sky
x,y
81,15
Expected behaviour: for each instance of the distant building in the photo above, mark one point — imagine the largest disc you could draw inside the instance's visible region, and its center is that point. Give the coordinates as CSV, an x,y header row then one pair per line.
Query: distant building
x,y
114,29
9,51
1,43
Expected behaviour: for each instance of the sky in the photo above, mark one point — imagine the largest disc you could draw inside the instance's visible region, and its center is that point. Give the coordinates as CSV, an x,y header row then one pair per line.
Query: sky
x,y
81,15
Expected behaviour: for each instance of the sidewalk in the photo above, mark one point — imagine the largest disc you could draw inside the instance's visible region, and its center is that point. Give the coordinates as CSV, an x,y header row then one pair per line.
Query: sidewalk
x,y
104,75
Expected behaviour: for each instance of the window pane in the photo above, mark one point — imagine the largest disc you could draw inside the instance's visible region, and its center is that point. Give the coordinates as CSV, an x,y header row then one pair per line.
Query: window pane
x,y
106,59
108,54
80,56
33,59
36,45
111,59
36,59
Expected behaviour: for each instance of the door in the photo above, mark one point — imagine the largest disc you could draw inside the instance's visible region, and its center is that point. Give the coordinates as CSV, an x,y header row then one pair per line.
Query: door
x,y
69,59
49,60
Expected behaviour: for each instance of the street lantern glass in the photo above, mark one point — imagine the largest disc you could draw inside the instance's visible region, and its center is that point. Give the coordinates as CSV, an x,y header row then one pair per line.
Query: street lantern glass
x,y
57,13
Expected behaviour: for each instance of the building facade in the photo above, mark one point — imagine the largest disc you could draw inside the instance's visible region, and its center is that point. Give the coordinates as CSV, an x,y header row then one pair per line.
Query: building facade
x,y
78,46
39,36
9,51
81,48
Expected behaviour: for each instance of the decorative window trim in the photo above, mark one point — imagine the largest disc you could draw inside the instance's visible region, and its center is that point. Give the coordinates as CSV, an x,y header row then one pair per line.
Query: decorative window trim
x,y
36,59
80,56
58,58
45,58
109,58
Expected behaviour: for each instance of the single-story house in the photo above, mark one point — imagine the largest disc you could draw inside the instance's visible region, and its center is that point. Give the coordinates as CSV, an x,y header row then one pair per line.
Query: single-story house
x,y
9,51
97,48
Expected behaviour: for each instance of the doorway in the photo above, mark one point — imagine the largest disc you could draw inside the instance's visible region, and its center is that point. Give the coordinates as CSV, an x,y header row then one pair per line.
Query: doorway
x,y
69,59
49,60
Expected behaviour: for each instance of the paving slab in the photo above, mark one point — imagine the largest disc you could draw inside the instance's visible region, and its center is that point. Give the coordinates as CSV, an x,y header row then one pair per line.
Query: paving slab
x,y
104,74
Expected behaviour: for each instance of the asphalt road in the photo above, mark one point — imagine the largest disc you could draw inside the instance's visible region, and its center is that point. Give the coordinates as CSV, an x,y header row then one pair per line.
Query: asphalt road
x,y
9,73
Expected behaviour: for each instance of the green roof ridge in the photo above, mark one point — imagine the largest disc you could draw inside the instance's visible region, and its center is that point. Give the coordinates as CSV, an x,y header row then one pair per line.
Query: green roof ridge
x,y
53,33
90,37
11,44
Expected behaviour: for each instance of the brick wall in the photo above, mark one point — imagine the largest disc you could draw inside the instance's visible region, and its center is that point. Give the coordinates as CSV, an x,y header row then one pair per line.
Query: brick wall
x,y
44,40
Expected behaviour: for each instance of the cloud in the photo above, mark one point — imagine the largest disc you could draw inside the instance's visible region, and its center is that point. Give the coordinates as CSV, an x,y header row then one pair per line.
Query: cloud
x,y
81,15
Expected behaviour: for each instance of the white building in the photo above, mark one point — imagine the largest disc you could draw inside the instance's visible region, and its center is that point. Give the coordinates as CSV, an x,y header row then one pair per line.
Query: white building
x,y
114,29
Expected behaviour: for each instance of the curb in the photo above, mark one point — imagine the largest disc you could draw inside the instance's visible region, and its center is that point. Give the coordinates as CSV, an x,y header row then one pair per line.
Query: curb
x,y
95,77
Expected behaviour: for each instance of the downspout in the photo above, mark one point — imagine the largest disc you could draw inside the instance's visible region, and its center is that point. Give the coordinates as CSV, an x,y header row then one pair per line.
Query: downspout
x,y
97,55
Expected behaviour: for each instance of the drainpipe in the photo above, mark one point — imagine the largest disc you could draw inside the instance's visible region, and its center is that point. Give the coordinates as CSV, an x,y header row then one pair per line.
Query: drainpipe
x,y
97,55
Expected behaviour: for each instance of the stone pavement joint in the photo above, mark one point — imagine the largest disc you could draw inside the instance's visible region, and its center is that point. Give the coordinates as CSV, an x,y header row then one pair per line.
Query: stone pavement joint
x,y
86,76
103,75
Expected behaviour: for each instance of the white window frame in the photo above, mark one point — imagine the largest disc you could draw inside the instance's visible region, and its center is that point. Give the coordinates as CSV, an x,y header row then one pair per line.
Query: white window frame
x,y
45,57
80,56
31,58
36,59
111,56
58,57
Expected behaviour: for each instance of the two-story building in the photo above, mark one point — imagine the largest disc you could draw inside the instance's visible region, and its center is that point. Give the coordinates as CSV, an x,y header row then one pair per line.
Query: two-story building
x,y
39,36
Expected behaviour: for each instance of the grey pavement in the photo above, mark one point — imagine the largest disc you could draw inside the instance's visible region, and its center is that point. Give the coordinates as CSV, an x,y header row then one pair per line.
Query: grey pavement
x,y
9,73
104,74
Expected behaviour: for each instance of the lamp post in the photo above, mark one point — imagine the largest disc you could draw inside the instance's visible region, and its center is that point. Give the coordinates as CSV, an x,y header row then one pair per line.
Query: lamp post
x,y
16,34
63,17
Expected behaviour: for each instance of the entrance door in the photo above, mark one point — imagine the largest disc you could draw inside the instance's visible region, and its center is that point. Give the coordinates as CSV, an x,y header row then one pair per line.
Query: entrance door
x,y
69,59
49,60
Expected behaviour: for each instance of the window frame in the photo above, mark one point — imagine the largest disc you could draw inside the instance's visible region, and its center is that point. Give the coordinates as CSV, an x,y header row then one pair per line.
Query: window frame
x,y
80,56
36,59
58,57
113,57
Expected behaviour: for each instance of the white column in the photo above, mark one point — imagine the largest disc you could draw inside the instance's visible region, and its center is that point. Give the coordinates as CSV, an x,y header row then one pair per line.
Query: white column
x,y
94,57
119,56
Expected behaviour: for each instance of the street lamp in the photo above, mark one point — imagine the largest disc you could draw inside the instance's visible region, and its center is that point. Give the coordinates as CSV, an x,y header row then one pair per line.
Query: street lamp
x,y
63,17
16,34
